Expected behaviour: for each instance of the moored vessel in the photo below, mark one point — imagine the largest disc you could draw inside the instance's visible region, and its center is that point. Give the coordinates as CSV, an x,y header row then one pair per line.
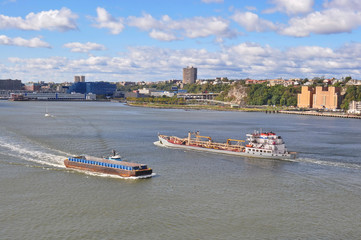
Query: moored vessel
x,y
108,166
257,144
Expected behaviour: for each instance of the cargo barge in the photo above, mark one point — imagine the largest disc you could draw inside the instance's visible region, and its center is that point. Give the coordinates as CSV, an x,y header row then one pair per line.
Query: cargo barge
x,y
108,166
259,144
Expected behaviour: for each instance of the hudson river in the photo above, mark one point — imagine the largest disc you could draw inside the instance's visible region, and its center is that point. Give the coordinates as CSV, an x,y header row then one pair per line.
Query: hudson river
x,y
193,195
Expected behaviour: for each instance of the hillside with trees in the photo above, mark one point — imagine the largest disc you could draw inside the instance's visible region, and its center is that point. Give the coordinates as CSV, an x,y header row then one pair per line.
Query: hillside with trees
x,y
353,93
279,95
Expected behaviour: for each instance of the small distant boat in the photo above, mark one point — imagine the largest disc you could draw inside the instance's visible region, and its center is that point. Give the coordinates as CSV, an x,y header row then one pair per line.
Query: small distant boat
x,y
109,165
47,114
260,145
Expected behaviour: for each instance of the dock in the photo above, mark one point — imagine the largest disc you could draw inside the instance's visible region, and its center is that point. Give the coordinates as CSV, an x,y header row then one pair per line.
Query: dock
x,y
321,114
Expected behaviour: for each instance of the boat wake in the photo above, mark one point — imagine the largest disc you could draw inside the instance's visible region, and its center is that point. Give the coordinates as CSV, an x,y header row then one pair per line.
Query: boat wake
x,y
157,143
34,153
306,160
328,163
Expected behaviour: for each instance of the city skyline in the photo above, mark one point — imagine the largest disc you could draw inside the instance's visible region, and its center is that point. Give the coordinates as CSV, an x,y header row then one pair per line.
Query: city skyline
x,y
154,40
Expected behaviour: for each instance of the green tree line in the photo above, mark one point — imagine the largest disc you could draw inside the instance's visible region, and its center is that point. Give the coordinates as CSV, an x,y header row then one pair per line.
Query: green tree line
x,y
261,94
208,87
158,100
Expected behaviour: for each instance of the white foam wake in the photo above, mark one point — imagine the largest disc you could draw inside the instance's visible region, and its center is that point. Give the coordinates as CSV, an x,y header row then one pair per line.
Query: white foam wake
x,y
328,163
31,153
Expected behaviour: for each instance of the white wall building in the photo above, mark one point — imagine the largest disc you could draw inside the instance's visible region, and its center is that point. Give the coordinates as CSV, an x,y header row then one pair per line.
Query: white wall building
x,y
354,107
59,96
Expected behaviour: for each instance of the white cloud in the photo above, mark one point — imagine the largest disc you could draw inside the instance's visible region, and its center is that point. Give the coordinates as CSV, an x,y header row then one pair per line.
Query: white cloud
x,y
291,7
105,20
84,47
310,52
239,61
326,22
146,23
343,4
251,22
21,42
59,20
167,29
204,27
162,36
212,1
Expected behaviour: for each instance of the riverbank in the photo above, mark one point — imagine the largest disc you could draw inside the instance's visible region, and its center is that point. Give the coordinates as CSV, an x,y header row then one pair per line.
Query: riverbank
x,y
321,114
195,107
250,109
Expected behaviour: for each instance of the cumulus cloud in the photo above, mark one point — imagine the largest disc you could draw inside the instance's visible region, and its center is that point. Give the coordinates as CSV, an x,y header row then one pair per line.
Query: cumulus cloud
x,y
106,20
21,42
54,20
212,1
147,22
251,22
162,36
343,4
84,47
167,29
239,61
325,22
291,7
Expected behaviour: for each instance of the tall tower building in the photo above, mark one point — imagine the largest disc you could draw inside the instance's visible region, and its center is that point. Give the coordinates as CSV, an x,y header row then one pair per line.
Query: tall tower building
x,y
189,75
79,79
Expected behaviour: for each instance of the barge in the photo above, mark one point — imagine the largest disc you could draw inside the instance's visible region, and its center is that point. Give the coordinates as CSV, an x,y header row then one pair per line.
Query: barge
x,y
108,166
258,144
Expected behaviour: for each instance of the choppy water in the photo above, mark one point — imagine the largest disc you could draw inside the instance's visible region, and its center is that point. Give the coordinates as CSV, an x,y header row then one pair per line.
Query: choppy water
x,y
194,195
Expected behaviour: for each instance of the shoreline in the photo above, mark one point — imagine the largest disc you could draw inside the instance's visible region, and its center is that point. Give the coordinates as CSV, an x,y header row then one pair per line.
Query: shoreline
x,y
272,111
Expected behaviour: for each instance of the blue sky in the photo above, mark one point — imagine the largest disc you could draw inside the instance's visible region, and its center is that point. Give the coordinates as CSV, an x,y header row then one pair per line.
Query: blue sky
x,y
153,40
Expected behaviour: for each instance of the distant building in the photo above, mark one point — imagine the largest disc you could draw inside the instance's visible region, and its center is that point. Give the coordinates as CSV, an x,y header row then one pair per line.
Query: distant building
x,y
197,95
79,79
189,75
32,87
354,107
251,81
354,82
319,98
274,82
53,96
304,99
99,88
154,93
134,94
146,91
8,84
327,97
127,83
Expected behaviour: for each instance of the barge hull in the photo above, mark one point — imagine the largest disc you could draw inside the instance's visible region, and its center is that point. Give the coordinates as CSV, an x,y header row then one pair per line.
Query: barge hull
x,y
106,170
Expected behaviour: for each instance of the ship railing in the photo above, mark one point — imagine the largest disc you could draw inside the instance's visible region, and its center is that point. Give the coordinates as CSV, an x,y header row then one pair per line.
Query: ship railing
x,y
207,144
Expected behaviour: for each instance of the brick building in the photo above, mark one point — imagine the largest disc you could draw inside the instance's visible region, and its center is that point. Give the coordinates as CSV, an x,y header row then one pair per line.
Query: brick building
x,y
319,98
304,99
189,75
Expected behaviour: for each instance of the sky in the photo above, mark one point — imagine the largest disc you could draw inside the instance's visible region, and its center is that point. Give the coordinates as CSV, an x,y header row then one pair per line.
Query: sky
x,y
153,40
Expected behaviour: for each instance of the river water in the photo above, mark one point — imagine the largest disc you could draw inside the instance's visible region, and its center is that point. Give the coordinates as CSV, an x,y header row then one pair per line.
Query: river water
x,y
193,195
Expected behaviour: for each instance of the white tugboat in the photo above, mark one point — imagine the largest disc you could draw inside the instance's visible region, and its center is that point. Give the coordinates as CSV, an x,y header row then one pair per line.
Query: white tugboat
x,y
260,145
